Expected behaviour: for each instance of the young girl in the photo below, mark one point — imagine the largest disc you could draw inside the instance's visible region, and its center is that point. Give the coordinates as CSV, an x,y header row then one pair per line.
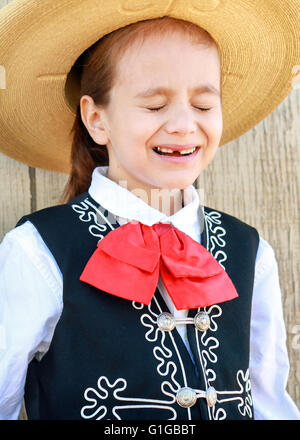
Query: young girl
x,y
131,300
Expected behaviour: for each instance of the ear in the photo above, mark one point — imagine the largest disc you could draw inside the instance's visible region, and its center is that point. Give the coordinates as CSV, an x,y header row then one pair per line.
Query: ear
x,y
92,116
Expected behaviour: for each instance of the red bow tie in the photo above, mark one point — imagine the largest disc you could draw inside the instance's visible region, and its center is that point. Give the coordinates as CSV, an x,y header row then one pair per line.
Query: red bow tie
x,y
129,259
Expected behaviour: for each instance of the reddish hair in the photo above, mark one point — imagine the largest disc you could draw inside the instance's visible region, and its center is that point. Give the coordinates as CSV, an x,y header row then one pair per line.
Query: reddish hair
x,y
98,69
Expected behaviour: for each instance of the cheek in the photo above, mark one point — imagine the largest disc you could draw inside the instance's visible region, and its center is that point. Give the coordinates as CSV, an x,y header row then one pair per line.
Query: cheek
x,y
140,135
214,128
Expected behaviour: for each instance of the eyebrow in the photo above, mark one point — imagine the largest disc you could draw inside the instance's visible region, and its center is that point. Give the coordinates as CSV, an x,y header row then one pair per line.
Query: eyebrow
x,y
205,88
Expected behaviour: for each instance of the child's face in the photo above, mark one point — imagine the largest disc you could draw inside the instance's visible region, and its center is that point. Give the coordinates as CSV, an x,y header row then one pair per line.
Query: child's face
x,y
132,129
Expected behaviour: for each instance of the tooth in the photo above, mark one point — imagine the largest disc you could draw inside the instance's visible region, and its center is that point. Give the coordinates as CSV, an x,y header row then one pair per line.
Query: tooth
x,y
188,151
164,150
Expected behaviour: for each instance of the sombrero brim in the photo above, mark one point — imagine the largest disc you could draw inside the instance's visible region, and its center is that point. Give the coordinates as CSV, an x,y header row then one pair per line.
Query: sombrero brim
x,y
259,43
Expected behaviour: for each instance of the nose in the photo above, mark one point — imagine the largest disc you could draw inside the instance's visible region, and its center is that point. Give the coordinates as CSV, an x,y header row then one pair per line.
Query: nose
x,y
181,122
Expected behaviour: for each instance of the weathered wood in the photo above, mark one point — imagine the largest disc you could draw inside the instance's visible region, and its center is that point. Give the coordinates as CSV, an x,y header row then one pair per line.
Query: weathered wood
x,y
15,193
49,187
255,178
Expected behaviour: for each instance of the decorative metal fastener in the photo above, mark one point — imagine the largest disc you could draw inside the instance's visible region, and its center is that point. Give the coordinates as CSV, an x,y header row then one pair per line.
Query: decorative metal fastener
x,y
202,321
166,321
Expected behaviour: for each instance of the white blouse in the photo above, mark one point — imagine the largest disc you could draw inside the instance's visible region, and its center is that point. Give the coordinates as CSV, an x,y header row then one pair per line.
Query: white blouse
x,y
31,303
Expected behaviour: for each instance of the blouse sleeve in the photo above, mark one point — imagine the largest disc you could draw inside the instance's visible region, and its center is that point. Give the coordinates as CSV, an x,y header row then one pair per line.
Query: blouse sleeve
x,y
269,363
30,306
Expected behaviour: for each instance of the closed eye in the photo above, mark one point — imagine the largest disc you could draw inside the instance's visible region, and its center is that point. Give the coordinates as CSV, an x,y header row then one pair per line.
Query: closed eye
x,y
156,109
203,109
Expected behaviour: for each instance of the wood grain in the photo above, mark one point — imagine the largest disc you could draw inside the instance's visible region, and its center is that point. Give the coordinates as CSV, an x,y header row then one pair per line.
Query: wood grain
x,y
255,178
15,195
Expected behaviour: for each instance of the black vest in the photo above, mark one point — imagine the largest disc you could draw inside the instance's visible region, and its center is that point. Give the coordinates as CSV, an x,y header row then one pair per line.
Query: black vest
x,y
109,360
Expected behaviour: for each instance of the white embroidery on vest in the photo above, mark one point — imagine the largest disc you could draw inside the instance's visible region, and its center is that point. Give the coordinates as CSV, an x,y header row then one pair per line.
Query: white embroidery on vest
x,y
215,238
97,396
245,404
209,343
163,355
88,212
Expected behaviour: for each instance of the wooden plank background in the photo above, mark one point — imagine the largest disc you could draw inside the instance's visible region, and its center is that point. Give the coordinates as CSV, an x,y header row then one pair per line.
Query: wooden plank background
x,y
255,178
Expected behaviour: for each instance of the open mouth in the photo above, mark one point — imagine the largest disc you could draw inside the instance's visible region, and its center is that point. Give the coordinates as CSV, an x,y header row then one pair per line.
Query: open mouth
x,y
169,152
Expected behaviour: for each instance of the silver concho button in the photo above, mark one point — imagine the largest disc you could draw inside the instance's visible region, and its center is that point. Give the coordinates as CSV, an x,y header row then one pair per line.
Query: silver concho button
x,y
166,322
202,321
186,397
211,396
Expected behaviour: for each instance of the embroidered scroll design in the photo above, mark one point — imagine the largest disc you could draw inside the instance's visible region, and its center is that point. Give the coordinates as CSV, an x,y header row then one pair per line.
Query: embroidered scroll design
x,y
208,356
209,344
215,237
245,403
88,212
96,409
166,366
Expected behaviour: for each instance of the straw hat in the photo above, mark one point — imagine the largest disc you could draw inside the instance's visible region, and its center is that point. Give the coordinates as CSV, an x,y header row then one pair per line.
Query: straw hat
x,y
41,40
